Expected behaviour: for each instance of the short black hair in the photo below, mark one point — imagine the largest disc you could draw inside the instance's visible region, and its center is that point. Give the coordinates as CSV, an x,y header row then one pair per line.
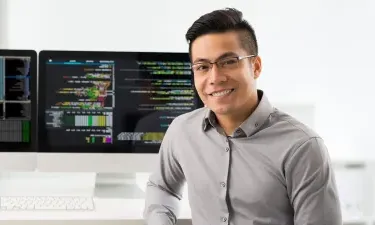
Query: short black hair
x,y
220,21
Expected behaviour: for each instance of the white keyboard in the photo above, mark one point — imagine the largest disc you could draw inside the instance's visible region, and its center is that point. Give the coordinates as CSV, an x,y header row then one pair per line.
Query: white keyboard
x,y
46,203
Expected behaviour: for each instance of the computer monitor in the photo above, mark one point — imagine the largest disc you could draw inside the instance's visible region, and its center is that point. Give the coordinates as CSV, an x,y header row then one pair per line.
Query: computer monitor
x,y
18,91
107,112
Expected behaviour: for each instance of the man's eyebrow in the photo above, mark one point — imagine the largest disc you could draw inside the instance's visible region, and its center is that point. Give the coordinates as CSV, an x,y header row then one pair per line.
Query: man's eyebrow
x,y
227,54
224,55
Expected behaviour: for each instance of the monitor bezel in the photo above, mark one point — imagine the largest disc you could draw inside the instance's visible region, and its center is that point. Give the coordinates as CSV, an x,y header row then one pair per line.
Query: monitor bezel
x,y
32,146
44,55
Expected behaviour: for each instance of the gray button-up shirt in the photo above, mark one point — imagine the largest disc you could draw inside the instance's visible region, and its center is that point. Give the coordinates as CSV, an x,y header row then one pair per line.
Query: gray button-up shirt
x,y
273,170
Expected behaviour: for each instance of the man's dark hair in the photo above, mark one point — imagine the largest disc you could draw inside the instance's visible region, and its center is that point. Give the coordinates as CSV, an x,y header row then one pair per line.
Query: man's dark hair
x,y
220,21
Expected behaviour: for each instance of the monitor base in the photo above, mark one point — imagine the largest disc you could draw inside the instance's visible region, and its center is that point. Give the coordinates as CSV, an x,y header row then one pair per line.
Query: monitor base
x,y
118,185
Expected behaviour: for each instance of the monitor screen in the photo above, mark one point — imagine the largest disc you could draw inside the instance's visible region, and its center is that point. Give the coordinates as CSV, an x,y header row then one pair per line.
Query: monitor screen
x,y
17,71
115,102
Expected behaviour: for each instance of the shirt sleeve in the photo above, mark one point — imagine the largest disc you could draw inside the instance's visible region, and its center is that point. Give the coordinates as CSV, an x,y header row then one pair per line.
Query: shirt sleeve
x,y
165,185
311,185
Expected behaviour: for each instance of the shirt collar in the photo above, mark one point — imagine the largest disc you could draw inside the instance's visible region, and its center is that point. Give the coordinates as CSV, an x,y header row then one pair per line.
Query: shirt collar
x,y
252,124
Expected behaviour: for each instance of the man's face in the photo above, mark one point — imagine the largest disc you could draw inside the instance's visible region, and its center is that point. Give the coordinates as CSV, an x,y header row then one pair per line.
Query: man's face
x,y
228,87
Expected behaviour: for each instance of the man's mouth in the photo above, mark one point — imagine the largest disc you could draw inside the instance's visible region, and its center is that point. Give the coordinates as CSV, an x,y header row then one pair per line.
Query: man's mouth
x,y
221,93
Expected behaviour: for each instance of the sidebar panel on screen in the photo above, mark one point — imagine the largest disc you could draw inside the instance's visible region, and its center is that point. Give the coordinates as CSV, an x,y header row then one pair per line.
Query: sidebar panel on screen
x,y
15,102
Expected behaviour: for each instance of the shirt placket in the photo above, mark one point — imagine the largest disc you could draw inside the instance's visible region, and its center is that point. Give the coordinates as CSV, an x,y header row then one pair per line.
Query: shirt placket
x,y
224,217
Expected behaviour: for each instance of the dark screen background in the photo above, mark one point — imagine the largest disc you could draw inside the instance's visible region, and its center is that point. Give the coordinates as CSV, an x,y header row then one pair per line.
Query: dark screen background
x,y
143,93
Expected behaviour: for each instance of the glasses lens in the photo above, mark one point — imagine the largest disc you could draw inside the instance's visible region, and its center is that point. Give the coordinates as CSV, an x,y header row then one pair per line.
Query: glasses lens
x,y
229,63
201,67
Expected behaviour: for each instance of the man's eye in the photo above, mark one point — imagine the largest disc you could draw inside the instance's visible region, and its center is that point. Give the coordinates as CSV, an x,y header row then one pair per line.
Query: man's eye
x,y
229,62
202,67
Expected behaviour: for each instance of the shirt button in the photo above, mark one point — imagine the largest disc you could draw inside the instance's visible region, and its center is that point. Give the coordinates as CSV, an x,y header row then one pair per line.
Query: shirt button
x,y
224,219
223,184
256,124
227,149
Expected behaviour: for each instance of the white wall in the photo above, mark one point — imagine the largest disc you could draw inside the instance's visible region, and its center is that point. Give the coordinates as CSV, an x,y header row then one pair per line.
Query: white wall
x,y
3,24
313,51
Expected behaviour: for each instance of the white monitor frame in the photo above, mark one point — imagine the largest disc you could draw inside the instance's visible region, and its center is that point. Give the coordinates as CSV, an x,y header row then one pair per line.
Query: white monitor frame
x,y
97,162
18,162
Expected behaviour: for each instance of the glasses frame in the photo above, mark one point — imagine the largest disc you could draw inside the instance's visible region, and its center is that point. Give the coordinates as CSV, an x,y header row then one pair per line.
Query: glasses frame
x,y
211,64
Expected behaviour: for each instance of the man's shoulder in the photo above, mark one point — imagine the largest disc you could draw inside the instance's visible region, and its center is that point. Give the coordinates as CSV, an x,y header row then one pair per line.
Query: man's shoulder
x,y
193,117
296,137
292,128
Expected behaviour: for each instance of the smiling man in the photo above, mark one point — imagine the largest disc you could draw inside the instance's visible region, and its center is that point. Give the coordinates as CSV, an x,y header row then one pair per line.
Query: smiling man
x,y
245,162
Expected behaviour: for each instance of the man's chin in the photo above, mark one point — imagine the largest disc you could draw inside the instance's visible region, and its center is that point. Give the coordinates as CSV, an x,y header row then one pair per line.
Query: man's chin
x,y
221,110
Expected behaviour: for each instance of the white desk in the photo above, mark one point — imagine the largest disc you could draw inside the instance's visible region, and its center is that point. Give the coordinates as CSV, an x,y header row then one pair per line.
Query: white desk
x,y
107,211
114,211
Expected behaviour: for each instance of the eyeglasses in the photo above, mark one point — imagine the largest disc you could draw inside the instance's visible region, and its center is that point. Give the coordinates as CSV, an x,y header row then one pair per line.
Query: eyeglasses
x,y
229,63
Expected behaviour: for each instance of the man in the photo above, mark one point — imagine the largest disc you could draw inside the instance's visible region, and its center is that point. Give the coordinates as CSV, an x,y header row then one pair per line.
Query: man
x,y
244,161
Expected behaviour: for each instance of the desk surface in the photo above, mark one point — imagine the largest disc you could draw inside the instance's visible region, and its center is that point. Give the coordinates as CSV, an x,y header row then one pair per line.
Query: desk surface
x,y
105,209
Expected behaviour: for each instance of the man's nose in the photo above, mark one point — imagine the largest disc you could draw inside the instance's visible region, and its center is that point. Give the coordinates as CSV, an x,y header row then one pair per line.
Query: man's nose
x,y
216,76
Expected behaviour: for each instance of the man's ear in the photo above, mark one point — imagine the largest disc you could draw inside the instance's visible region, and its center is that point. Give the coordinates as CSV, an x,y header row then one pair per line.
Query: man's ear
x,y
257,65
256,74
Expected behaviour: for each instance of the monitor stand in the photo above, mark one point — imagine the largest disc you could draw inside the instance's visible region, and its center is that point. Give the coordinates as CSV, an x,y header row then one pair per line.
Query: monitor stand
x,y
118,185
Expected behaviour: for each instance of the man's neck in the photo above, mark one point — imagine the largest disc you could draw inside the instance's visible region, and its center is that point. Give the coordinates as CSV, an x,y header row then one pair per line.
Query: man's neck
x,y
231,122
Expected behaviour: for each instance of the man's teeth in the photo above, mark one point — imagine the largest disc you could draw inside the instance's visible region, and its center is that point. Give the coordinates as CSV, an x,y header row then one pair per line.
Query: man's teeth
x,y
221,93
